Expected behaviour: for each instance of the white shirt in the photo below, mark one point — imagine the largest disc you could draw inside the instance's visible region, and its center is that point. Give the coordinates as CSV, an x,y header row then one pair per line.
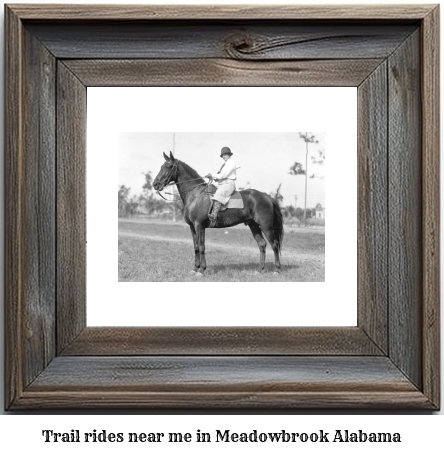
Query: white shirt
x,y
227,172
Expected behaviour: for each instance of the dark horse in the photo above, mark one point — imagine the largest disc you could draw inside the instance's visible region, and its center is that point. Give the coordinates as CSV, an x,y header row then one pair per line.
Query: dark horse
x,y
261,212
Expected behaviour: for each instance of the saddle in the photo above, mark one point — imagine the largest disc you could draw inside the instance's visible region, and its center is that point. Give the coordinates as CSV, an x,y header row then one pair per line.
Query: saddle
x,y
235,201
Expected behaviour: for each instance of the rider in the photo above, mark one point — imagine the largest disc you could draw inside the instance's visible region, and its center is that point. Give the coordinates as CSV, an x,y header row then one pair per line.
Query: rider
x,y
226,186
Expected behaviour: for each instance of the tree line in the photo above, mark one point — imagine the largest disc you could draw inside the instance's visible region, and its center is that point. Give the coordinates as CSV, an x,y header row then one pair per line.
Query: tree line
x,y
148,204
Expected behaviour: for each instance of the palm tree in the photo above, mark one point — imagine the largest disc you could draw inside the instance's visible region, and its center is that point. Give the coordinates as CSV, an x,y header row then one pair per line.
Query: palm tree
x,y
298,169
308,139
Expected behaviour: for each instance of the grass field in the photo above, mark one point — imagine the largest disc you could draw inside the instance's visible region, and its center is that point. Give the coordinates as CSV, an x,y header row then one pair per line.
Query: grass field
x,y
155,251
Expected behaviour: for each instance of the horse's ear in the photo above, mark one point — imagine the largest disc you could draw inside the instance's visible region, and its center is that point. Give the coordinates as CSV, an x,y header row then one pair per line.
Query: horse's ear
x,y
171,156
166,156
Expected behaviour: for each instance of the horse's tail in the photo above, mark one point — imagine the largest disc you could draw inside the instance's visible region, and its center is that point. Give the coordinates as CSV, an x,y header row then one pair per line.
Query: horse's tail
x,y
278,224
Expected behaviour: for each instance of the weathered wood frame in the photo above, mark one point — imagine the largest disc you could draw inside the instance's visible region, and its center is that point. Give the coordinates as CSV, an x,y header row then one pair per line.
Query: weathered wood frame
x,y
390,360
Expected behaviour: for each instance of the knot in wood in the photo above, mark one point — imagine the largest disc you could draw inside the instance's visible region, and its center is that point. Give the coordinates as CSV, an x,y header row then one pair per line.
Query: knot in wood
x,y
239,46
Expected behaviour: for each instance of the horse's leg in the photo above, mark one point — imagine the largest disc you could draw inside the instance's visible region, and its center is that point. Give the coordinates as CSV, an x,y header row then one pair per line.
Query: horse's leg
x,y
200,230
196,250
257,234
269,234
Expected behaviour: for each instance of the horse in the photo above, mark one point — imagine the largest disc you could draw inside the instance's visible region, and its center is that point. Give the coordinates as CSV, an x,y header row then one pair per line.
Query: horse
x,y
261,212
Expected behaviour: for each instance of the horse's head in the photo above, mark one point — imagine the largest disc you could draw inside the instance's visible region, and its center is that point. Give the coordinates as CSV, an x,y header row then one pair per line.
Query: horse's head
x,y
167,173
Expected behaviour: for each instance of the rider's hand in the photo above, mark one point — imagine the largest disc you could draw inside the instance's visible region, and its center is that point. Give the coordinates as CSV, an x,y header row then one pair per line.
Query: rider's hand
x,y
209,176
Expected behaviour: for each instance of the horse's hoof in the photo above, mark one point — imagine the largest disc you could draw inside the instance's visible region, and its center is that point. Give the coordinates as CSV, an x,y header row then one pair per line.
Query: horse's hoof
x,y
276,272
199,274
192,272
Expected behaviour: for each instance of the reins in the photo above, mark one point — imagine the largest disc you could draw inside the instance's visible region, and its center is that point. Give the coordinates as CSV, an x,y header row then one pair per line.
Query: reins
x,y
210,181
180,183
183,191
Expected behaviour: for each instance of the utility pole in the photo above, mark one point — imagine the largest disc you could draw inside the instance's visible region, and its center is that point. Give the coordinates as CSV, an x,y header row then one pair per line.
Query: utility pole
x,y
307,139
174,187
306,171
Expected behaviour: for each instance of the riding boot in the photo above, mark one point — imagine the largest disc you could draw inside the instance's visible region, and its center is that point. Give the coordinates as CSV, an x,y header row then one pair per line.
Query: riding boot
x,y
213,215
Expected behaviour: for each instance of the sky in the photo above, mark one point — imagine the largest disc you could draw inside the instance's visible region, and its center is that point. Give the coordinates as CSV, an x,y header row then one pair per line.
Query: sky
x,y
264,159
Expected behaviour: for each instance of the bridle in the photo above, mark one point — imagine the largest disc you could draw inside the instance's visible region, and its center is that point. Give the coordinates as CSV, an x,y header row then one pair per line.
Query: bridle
x,y
170,175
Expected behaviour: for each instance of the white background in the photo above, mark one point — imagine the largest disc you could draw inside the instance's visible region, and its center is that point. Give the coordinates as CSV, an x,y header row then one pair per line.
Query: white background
x,y
329,303
22,434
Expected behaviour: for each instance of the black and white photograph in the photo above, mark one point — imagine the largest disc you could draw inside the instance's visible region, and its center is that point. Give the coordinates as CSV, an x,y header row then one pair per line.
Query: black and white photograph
x,y
222,207
217,195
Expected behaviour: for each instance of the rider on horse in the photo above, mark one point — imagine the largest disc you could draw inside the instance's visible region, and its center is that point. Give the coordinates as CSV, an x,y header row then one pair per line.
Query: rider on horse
x,y
260,212
226,186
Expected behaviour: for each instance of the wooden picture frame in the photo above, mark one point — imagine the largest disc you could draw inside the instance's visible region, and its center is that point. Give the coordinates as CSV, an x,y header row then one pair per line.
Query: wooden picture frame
x,y
390,360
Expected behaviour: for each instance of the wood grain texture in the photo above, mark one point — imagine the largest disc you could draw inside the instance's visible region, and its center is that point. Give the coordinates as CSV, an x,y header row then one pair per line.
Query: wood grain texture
x,y
71,206
405,207
233,382
247,401
209,373
209,72
220,12
13,209
431,206
372,207
407,378
236,40
39,207
127,341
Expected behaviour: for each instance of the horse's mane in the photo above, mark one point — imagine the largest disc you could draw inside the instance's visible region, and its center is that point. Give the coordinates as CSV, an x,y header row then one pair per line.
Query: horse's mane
x,y
191,171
